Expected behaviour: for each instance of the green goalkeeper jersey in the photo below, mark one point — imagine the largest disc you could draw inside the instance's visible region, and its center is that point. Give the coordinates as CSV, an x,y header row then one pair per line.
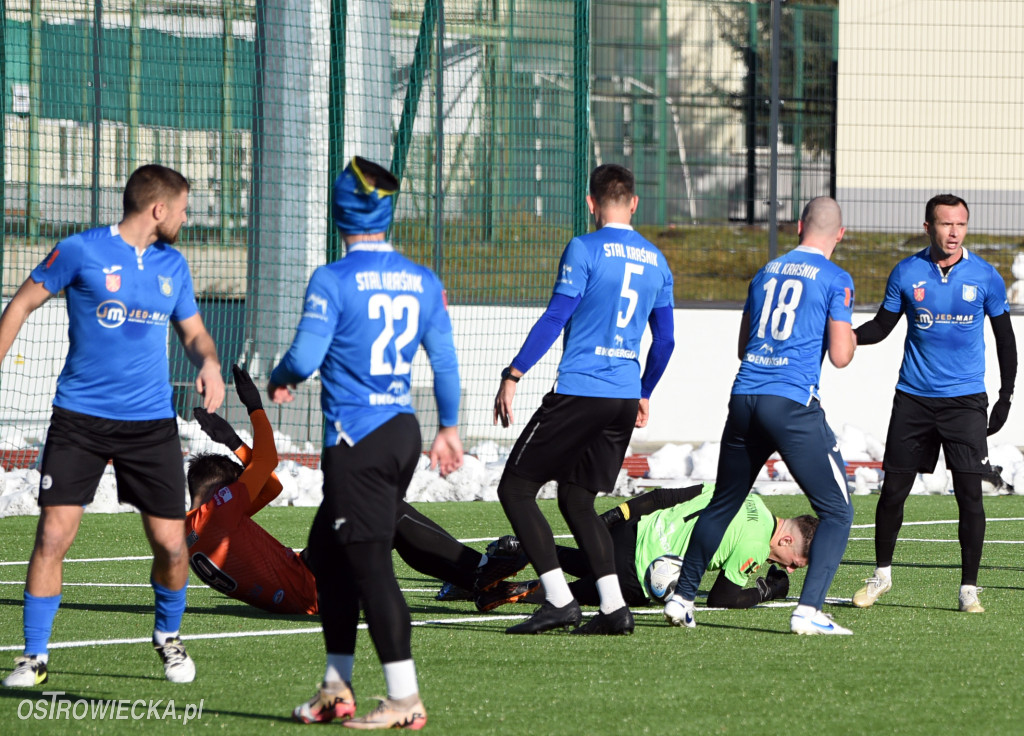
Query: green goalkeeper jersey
x,y
744,547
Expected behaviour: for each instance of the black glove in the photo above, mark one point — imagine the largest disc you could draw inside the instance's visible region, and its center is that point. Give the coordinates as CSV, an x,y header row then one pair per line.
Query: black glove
x,y
773,585
613,516
1000,412
246,389
217,428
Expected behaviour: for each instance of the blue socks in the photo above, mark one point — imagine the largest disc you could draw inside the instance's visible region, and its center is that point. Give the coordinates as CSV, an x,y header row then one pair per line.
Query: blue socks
x,y
170,607
37,622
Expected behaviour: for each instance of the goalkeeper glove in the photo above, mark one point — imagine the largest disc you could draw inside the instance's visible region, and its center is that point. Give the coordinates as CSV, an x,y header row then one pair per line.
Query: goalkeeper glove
x,y
217,428
616,515
246,389
1000,411
773,585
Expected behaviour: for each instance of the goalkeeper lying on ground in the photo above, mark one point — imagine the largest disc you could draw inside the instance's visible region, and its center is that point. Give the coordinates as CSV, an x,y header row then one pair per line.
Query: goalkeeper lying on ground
x,y
234,555
660,522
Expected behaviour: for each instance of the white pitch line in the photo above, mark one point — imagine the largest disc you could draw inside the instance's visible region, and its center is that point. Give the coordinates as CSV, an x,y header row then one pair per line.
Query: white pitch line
x,y
951,541
318,629
569,536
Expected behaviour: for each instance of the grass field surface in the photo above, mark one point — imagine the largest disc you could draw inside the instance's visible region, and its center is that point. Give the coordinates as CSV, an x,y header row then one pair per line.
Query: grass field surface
x,y
914,665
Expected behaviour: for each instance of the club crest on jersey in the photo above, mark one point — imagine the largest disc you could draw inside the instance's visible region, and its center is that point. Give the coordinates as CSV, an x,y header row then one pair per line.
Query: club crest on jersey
x,y
113,281
222,496
919,294
166,285
970,292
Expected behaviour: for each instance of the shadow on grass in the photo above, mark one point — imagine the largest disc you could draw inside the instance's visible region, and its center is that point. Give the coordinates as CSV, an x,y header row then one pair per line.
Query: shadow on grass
x,y
239,610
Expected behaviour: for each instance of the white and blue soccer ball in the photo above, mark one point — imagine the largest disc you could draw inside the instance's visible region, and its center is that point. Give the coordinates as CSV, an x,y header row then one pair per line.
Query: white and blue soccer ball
x,y
661,577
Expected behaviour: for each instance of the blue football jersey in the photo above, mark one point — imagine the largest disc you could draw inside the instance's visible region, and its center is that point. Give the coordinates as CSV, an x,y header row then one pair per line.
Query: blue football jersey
x,y
376,306
620,277
790,301
119,304
944,352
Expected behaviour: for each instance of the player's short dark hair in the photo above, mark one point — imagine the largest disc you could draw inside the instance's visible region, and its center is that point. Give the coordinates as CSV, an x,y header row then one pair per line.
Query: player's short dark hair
x,y
949,200
150,184
807,525
611,183
209,471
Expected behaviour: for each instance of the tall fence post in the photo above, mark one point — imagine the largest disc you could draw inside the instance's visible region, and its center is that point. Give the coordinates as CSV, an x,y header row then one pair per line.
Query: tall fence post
x,y
581,116
773,134
336,118
439,142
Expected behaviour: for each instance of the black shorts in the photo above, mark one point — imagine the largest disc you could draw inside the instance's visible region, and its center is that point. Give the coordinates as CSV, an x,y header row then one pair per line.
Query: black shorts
x,y
919,425
575,439
363,484
147,460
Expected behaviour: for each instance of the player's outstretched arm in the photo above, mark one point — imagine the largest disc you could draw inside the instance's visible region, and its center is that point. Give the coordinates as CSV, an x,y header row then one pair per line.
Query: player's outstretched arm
x,y
202,352
220,430
264,451
30,296
878,327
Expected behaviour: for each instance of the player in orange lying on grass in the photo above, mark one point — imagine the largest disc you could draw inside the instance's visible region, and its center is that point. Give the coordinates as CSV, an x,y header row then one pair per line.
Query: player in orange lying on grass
x,y
234,555
228,550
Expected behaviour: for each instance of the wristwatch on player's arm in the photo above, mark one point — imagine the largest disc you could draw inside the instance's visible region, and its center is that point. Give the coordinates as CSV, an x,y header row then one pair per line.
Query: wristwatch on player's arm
x,y
506,374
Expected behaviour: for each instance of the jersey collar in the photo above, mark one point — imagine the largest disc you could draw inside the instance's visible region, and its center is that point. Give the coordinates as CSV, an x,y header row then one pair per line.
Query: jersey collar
x,y
374,246
619,225
810,249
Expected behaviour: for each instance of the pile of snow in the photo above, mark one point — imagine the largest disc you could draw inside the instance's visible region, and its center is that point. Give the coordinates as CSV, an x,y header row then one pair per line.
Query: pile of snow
x,y
477,480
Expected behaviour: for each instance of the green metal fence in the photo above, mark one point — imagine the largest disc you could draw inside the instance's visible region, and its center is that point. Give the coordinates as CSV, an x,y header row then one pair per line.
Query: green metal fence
x,y
493,112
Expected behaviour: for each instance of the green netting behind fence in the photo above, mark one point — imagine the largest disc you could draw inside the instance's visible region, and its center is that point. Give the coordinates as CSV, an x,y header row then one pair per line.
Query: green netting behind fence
x,y
493,113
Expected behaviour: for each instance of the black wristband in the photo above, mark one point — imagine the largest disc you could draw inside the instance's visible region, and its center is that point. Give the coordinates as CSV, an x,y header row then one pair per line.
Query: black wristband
x,y
506,374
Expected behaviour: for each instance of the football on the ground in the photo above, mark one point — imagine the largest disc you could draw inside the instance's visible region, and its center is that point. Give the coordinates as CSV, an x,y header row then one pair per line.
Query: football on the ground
x,y
661,577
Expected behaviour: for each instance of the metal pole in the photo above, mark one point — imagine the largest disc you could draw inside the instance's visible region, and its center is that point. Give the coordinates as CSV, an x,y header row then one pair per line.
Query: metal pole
x,y
800,104
134,84
3,136
752,105
581,116
336,118
773,135
227,173
35,55
420,59
439,142
662,115
97,110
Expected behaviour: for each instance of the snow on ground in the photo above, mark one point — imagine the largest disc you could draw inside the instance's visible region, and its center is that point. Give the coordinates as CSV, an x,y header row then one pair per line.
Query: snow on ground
x,y
477,479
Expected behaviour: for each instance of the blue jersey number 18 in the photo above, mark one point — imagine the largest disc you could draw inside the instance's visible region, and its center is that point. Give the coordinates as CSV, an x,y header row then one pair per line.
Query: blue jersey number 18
x,y
783,313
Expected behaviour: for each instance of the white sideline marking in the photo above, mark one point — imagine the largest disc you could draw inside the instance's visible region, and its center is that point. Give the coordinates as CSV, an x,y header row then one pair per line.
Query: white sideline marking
x,y
911,539
569,536
316,629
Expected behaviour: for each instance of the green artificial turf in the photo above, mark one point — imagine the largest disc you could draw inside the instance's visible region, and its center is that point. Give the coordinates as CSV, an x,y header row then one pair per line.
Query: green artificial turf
x,y
914,665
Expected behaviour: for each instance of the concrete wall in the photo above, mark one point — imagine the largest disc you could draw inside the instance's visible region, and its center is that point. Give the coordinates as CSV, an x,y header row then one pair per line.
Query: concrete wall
x,y
689,404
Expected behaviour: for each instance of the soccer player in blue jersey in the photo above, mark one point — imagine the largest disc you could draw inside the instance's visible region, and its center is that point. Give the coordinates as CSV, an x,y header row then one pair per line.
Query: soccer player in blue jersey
x,y
365,316
123,284
946,292
610,285
798,309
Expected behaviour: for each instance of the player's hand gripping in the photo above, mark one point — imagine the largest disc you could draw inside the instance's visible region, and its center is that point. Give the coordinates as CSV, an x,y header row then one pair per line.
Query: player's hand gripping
x,y
246,389
775,584
217,428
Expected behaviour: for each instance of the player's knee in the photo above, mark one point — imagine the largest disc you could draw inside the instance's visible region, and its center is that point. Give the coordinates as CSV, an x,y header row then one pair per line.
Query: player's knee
x,y
514,490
